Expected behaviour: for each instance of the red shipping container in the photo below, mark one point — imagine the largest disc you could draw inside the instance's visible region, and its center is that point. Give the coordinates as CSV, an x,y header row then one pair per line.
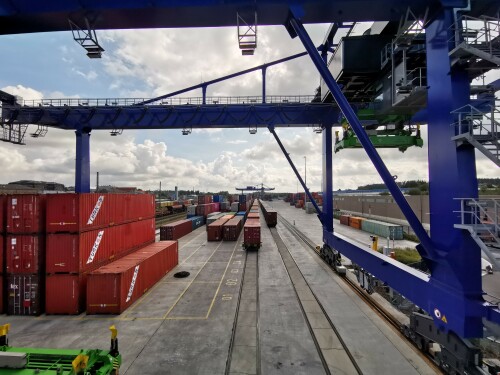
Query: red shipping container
x,y
175,230
2,247
231,230
243,207
203,199
3,203
111,289
355,222
25,214
82,252
214,230
206,209
253,215
73,213
1,294
344,219
24,254
65,293
24,294
251,233
271,218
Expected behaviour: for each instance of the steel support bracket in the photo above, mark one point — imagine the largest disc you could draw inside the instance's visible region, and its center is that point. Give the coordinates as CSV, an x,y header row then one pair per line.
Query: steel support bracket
x,y
287,156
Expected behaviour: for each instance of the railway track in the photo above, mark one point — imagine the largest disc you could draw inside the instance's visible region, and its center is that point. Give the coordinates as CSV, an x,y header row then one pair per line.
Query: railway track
x,y
375,306
249,294
343,361
169,219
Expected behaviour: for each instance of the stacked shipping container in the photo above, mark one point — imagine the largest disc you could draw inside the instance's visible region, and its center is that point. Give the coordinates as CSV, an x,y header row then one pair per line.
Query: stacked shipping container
x,y
214,230
86,231
206,209
251,229
24,253
232,228
176,230
113,288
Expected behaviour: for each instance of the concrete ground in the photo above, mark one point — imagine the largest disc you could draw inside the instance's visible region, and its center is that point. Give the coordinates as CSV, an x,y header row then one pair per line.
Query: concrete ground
x,y
185,326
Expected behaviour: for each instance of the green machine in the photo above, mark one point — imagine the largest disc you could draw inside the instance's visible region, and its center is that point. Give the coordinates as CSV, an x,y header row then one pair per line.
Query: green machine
x,y
384,132
34,361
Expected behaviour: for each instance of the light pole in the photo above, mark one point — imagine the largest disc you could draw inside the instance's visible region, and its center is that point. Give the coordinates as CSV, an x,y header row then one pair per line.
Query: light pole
x,y
305,178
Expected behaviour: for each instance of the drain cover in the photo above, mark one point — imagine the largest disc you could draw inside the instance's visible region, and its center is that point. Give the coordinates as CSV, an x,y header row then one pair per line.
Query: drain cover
x,y
181,274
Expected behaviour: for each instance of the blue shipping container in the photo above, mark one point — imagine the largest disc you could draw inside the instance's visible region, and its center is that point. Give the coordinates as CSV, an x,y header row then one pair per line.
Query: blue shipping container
x,y
216,198
189,216
242,198
197,221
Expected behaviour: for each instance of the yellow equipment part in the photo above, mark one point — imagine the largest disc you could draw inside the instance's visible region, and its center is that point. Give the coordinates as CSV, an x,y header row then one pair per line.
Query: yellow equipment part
x,y
80,363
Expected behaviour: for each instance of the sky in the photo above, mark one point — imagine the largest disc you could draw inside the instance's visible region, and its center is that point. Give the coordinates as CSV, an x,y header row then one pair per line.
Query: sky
x,y
148,63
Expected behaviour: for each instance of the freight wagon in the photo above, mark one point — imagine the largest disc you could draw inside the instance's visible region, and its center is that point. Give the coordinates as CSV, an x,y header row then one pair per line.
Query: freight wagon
x,y
270,215
251,234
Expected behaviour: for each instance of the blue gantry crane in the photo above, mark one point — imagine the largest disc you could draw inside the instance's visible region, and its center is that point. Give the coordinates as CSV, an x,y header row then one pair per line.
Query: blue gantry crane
x,y
261,188
414,67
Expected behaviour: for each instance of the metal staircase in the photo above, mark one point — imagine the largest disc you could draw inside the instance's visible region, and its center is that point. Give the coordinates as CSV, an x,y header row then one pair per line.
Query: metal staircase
x,y
476,44
480,128
13,133
481,218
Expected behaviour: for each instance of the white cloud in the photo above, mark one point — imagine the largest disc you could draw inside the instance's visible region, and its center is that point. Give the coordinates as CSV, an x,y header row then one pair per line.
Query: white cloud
x,y
26,93
146,63
90,76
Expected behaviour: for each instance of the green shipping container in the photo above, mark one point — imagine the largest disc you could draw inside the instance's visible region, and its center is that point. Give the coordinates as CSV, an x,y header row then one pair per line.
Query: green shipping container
x,y
383,230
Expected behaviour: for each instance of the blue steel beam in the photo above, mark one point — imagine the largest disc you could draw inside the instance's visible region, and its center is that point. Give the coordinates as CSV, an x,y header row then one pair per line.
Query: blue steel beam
x,y
82,165
204,85
302,183
52,15
176,116
427,249
416,283
327,178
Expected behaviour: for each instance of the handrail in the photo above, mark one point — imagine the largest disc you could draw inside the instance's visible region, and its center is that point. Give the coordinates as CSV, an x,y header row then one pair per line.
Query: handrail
x,y
214,100
488,127
474,212
475,31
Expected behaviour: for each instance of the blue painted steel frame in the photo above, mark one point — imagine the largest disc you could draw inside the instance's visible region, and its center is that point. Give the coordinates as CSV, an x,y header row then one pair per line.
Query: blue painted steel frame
x,y
454,285
82,165
204,85
452,256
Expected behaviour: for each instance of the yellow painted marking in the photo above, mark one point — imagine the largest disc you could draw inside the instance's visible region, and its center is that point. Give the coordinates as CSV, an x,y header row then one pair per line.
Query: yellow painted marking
x,y
234,270
187,282
227,297
231,282
185,290
222,279
144,296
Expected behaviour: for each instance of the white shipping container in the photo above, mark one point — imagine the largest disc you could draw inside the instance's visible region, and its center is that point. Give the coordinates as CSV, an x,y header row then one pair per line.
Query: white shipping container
x,y
191,210
234,207
310,208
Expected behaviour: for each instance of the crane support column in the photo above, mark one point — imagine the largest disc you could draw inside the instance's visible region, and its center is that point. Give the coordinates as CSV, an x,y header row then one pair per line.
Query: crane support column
x,y
327,178
452,173
82,166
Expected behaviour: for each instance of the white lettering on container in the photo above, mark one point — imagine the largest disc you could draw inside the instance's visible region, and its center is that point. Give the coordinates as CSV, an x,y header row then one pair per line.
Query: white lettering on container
x,y
95,247
96,209
132,284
